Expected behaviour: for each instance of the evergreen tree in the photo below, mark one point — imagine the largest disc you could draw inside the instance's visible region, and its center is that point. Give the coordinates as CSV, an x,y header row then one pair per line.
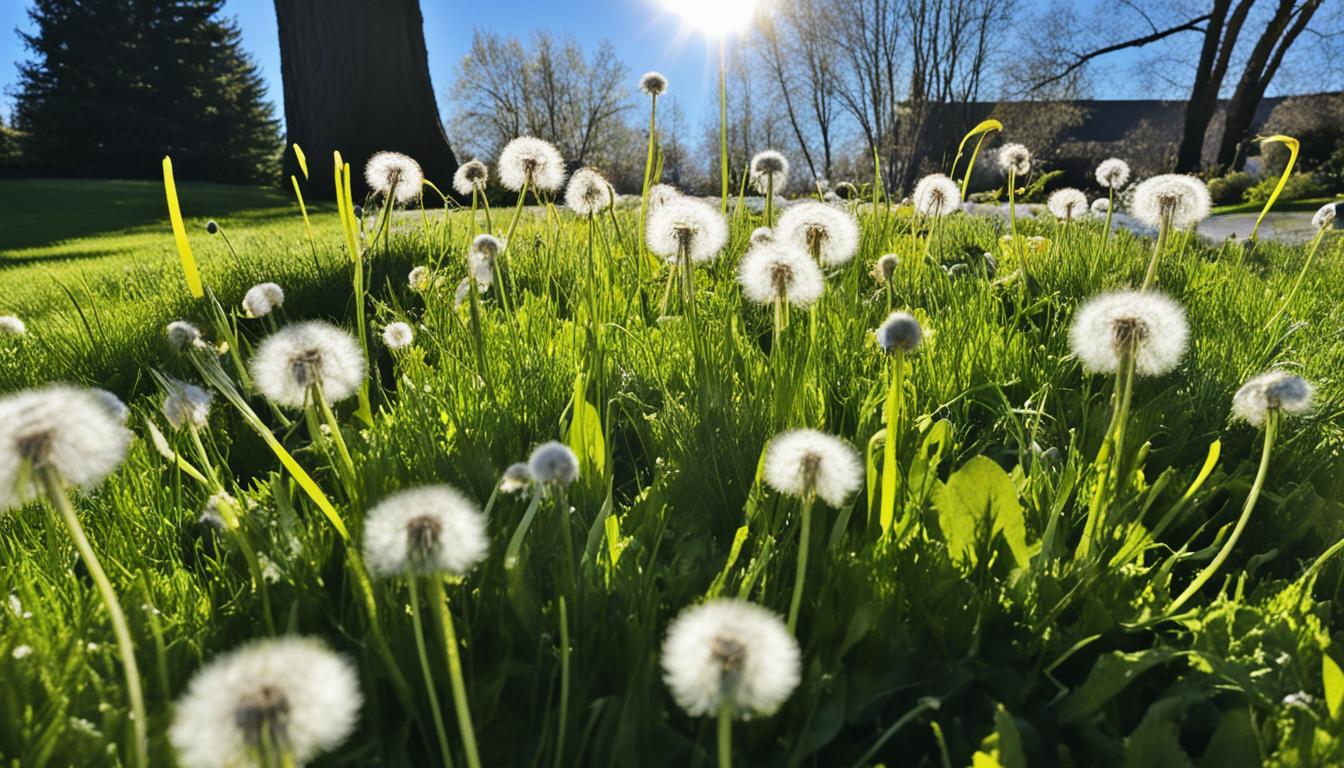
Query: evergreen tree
x,y
114,85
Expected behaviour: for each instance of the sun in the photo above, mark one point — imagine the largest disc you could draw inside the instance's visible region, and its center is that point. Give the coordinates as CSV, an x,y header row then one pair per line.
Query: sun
x,y
717,18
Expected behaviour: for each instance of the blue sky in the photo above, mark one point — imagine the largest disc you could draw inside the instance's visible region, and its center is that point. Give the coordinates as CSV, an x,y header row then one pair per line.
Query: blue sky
x,y
645,36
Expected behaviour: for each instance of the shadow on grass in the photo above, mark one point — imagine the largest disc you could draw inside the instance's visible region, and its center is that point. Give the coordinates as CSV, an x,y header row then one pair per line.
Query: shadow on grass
x,y
41,212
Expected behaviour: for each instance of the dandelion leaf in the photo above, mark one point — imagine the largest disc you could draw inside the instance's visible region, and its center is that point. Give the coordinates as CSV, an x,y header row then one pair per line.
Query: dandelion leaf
x,y
1334,684
585,433
1003,747
1109,676
979,502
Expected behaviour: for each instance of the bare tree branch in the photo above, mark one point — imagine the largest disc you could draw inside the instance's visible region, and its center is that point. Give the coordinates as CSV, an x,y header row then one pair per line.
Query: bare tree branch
x,y
1190,26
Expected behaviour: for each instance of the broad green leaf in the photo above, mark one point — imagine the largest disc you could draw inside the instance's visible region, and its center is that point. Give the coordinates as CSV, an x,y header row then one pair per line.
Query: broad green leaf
x,y
193,276
1109,676
585,433
924,466
1003,747
1156,742
1234,743
978,503
1334,684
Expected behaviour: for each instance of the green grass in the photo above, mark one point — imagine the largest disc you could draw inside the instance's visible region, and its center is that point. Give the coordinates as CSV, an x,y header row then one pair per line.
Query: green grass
x,y
1057,663
1281,206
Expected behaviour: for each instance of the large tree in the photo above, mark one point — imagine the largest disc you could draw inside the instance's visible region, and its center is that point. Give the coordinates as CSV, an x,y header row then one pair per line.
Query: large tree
x,y
113,85
356,77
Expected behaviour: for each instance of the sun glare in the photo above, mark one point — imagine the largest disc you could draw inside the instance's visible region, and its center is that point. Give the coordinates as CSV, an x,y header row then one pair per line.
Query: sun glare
x,y
718,18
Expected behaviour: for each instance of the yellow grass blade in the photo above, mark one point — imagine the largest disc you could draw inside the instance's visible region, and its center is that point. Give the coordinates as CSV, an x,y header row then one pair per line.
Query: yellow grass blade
x,y
180,233
303,160
345,205
982,130
302,208
1293,147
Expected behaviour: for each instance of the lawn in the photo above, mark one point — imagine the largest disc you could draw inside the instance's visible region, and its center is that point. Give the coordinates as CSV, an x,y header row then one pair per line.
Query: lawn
x,y
950,612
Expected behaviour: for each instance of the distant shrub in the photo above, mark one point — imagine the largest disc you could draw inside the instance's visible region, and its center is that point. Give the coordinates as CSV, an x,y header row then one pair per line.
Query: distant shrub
x,y
1300,186
1230,189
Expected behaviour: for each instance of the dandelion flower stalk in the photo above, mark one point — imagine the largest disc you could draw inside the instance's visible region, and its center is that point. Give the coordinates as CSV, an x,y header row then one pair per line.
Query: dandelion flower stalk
x,y
654,84
436,710
899,336
1168,201
1323,219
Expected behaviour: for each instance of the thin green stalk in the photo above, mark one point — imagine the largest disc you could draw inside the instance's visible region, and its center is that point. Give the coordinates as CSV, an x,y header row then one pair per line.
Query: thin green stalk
x,y
516,541
439,600
1109,455
334,427
804,539
648,174
725,735
1306,266
891,415
1110,208
1158,247
1271,428
769,199
54,488
439,731
564,685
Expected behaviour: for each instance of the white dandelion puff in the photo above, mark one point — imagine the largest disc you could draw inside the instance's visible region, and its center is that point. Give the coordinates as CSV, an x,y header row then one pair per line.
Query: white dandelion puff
x,y
516,477
395,174
762,235
64,429
113,404
1184,198
1273,391
660,195
398,335
531,161
433,529
553,462
1324,218
471,176
418,279
1014,159
186,404
1149,323
21,651
1100,207
936,195
262,299
183,336
1113,173
653,84
806,462
830,234
487,245
733,653
12,326
298,357
588,192
900,332
1067,203
780,271
769,170
686,224
885,267
290,691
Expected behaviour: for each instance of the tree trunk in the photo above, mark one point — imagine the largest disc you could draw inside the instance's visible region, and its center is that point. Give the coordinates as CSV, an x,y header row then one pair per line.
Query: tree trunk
x,y
1203,94
1255,79
356,79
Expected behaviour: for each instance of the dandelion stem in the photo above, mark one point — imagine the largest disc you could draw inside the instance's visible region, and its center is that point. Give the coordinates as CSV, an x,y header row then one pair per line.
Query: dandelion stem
x,y
725,735
1271,428
439,601
769,198
54,489
1158,247
516,541
425,669
648,174
800,574
1306,265
564,685
1108,461
1110,208
891,415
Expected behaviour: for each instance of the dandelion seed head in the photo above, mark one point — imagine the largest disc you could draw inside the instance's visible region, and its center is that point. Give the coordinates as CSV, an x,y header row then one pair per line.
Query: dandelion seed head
x,y
219,508
689,224
804,462
471,176
292,688
308,354
395,174
532,161
936,195
487,245
780,271
827,232
730,652
660,195
900,332
418,279
1278,391
432,529
762,235
212,227
66,429
12,326
885,267
1113,173
588,192
1324,218
769,169
846,190
1185,198
1149,322
1067,203
262,299
653,84
183,336
1014,159
516,477
1100,207
186,404
398,335
553,462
